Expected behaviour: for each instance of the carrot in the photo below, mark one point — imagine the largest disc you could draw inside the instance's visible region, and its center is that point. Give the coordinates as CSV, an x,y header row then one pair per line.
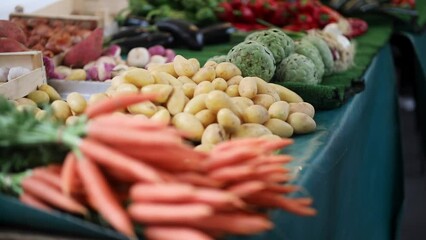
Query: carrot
x,y
51,196
270,169
124,136
48,177
34,202
272,145
69,174
168,213
248,142
276,178
198,179
113,174
246,188
232,173
113,159
102,197
267,199
277,188
112,104
234,223
174,233
170,192
54,168
216,198
270,159
128,121
230,157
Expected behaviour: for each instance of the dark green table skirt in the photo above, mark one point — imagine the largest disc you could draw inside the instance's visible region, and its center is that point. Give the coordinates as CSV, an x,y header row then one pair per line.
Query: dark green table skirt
x,y
351,166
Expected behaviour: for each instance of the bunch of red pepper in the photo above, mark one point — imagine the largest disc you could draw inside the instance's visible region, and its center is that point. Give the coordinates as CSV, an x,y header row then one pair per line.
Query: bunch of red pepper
x,y
295,15
404,3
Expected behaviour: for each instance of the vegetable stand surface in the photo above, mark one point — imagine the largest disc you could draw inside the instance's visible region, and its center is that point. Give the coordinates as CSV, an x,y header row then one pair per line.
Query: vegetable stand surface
x,y
350,166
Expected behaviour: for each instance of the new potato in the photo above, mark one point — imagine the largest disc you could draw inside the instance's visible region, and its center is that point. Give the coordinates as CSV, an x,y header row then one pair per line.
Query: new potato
x,y
176,102
227,70
190,125
76,102
206,117
248,130
214,134
301,123
279,110
302,107
247,87
228,120
279,127
255,114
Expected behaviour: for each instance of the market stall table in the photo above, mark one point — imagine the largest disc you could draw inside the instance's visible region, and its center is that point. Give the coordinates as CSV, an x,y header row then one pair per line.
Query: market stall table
x,y
351,166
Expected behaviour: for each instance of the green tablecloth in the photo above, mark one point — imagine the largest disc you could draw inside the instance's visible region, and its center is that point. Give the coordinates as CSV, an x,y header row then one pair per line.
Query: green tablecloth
x,y
351,167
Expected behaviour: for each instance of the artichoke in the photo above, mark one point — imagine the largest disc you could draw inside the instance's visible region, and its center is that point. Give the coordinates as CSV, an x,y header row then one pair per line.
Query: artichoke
x,y
325,52
218,58
286,42
308,50
297,68
253,59
270,40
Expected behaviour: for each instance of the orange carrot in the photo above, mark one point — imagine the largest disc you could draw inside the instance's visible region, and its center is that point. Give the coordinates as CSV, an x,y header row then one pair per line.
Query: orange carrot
x,y
270,169
48,177
277,188
276,178
128,121
69,174
248,142
102,197
246,188
112,104
235,223
272,145
122,136
51,196
174,233
170,192
270,159
34,202
54,168
232,173
230,157
168,213
268,199
113,174
198,179
116,160
216,198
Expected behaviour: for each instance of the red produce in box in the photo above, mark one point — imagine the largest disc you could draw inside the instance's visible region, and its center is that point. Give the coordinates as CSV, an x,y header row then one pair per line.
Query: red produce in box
x,y
11,45
225,12
357,27
85,51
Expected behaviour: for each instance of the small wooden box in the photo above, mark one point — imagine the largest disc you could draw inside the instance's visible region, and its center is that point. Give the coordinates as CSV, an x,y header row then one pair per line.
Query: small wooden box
x,y
23,85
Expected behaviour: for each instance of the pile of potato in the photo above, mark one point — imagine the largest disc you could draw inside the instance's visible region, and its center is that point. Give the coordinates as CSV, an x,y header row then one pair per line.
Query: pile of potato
x,y
210,104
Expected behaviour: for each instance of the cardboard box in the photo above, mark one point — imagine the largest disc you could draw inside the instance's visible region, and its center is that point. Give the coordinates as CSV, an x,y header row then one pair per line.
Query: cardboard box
x,y
99,13
23,85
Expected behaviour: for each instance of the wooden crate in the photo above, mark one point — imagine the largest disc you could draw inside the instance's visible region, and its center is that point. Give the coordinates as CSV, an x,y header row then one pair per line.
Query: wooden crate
x,y
99,12
22,86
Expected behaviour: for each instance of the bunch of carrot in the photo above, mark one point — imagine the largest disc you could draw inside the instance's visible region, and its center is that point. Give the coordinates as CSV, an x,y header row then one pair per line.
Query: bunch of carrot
x,y
175,192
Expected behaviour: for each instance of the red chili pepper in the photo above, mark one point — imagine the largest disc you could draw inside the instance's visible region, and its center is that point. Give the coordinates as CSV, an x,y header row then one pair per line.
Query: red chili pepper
x,y
334,16
247,14
281,15
236,4
358,27
225,12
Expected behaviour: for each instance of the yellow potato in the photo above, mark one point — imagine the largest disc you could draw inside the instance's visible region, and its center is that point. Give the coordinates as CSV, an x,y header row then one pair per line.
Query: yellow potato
x,y
185,79
264,88
210,64
117,80
279,127
204,74
255,114
232,91
301,123
97,97
190,125
61,110
279,110
242,102
247,87
165,78
302,107
176,101
195,63
214,134
165,67
26,101
125,88
162,91
71,120
270,137
203,87
139,77
204,147
39,97
53,94
227,70
76,102
206,117
40,115
146,108
286,94
77,75
184,67
220,84
196,104
235,80
265,100
228,120
188,89
248,130
162,116
217,100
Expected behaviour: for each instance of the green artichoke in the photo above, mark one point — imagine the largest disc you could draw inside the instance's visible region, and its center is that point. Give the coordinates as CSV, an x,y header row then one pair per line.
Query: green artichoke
x,y
308,50
272,41
297,68
325,52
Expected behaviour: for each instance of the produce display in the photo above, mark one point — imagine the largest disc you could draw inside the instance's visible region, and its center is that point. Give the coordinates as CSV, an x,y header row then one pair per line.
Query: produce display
x,y
171,190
